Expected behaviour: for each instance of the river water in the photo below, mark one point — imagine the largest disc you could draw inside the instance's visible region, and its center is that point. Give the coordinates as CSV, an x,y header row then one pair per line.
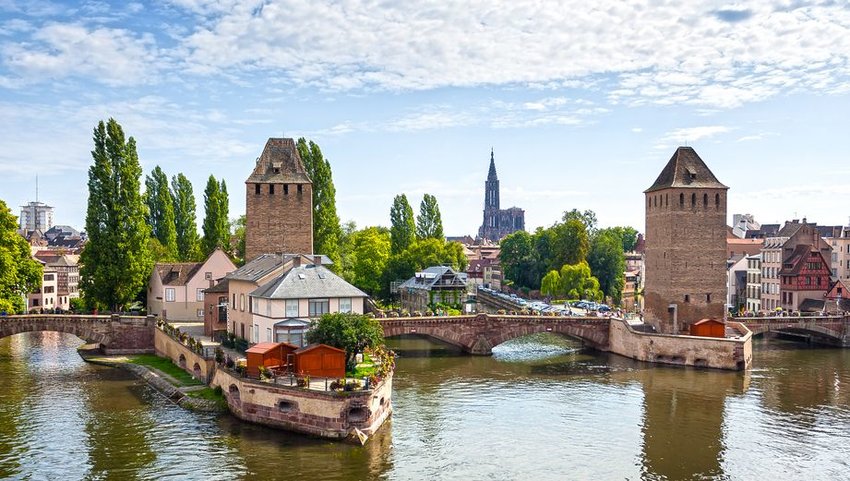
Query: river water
x,y
539,409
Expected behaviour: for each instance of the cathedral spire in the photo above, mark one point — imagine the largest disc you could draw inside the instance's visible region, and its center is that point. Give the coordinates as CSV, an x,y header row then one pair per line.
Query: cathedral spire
x,y
492,174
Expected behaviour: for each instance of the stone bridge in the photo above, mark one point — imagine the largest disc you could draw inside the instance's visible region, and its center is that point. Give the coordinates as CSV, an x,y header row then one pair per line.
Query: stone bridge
x,y
479,334
831,330
114,334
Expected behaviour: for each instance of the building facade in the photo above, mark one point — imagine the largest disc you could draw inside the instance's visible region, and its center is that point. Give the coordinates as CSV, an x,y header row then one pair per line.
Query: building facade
x,y
432,286
804,280
36,216
67,269
498,222
685,254
283,308
45,297
176,289
778,248
754,283
278,203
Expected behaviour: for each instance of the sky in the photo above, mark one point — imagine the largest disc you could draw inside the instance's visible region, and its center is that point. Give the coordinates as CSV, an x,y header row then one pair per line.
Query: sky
x,y
583,103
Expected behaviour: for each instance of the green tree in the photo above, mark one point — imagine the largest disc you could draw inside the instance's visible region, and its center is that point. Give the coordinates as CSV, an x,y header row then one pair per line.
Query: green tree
x,y
629,236
551,284
403,229
370,251
346,250
161,217
570,243
326,227
348,331
216,224
188,243
238,228
20,274
429,224
588,218
577,282
116,261
519,259
608,263
421,254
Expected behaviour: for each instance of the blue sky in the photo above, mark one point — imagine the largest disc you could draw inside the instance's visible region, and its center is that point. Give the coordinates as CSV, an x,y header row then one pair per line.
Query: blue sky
x,y
583,102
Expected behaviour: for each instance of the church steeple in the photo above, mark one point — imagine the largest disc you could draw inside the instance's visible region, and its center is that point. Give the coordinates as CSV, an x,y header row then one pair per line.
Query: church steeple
x,y
492,174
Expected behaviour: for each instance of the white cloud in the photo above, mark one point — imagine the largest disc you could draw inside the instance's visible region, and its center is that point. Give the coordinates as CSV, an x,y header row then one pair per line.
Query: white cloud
x,y
114,57
693,134
720,58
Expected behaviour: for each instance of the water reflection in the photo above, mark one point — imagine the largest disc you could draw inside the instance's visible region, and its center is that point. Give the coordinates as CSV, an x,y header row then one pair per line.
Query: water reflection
x,y
540,408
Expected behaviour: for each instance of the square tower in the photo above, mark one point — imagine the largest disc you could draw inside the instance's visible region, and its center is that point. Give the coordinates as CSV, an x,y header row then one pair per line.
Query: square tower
x,y
278,203
685,244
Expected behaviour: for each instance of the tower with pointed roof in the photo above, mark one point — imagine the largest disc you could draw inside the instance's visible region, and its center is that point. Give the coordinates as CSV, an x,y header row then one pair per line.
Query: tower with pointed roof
x,y
278,203
497,222
685,244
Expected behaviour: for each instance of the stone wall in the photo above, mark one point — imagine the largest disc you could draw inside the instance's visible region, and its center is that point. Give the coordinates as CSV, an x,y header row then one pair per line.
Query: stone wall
x,y
182,356
733,354
319,413
279,222
685,256
115,334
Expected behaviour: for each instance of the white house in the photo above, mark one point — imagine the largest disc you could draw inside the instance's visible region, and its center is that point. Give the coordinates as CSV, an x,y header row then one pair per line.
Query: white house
x,y
283,308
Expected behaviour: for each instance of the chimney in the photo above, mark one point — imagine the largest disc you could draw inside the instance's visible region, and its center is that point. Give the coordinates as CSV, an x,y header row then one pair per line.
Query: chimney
x,y
317,260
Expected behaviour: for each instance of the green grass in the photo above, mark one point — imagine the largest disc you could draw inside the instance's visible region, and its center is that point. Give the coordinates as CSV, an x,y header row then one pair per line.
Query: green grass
x,y
167,367
364,369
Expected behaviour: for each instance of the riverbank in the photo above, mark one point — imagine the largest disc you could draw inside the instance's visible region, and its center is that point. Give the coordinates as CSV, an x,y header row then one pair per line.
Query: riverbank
x,y
166,378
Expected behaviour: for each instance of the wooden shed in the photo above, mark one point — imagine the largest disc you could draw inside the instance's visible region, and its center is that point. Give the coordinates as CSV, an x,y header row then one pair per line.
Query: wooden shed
x,y
272,355
320,360
708,328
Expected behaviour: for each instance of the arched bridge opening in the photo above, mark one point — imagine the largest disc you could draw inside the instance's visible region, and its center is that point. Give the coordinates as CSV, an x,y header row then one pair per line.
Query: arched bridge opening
x,y
113,334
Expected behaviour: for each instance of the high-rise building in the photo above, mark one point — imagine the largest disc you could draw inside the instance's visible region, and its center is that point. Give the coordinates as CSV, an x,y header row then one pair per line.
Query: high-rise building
x,y
278,203
36,216
685,244
498,222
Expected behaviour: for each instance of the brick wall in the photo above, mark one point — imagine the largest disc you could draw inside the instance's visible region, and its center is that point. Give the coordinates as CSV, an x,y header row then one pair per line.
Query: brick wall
x,y
279,222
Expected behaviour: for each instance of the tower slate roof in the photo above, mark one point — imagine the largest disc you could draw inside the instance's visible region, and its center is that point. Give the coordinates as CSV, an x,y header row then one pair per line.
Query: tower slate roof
x,y
686,170
279,164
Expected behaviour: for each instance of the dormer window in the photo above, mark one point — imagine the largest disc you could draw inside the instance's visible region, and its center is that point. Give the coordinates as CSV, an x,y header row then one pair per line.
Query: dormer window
x,y
691,174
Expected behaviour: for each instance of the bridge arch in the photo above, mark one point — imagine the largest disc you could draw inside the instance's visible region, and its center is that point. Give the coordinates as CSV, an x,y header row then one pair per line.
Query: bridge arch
x,y
114,334
84,331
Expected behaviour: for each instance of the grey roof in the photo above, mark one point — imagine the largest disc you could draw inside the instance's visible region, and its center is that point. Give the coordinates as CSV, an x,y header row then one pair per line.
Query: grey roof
x,y
220,287
308,281
265,264
428,278
686,170
279,163
789,229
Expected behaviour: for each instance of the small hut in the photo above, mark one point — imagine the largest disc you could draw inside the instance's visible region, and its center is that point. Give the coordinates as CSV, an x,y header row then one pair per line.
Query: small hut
x,y
271,355
708,328
320,360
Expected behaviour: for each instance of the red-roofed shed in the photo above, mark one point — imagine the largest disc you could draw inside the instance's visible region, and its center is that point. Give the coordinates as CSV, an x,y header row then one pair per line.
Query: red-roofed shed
x,y
320,360
271,355
709,328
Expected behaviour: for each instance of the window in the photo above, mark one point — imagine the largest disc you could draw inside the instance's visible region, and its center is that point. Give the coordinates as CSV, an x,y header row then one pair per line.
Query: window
x,y
268,334
207,275
268,308
48,277
693,200
299,189
345,304
285,189
169,294
242,302
716,200
200,314
255,305
808,280
48,289
234,301
318,306
34,302
199,295
292,308
705,200
255,333
257,189
271,189
681,200
708,298
687,298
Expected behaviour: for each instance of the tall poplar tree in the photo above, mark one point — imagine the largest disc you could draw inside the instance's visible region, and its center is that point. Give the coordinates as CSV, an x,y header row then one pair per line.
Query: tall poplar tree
x,y
19,272
116,262
161,212
327,231
403,228
188,243
429,224
216,225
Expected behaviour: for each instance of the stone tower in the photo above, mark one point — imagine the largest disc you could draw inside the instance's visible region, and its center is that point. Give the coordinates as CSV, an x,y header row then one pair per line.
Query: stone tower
x,y
685,244
278,203
490,227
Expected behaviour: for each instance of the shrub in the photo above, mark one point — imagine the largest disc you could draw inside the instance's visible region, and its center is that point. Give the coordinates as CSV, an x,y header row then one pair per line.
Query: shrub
x,y
219,355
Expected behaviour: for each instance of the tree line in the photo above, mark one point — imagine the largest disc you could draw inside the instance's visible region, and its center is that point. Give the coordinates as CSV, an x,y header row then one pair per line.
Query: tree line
x,y
571,259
